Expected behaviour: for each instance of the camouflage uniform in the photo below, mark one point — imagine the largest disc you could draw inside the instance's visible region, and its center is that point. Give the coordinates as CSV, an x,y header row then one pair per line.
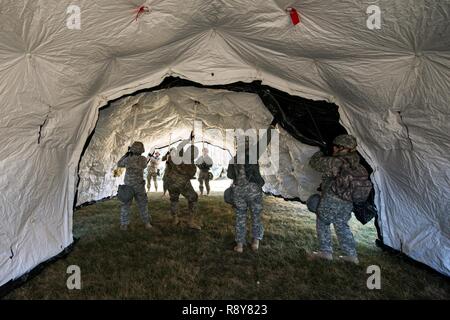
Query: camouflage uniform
x,y
166,158
332,209
178,181
134,177
247,193
204,163
152,172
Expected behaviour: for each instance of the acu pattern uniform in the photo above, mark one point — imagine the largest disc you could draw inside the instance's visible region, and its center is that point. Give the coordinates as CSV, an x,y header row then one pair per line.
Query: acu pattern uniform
x,y
178,180
247,193
204,163
135,164
332,209
152,172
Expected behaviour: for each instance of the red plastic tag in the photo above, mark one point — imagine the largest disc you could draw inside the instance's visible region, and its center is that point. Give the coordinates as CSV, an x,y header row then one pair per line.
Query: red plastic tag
x,y
295,17
140,11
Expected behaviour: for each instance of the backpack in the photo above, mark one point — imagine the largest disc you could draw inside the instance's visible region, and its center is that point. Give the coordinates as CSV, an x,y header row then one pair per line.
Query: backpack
x,y
352,183
125,193
228,195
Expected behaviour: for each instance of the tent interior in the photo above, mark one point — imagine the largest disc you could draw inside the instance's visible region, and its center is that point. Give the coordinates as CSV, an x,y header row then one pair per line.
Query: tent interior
x,y
164,117
328,74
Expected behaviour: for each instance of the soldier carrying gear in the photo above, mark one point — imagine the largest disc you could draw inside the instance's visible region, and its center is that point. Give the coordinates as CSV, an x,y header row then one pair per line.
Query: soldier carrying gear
x,y
247,193
204,163
178,180
135,163
333,209
152,170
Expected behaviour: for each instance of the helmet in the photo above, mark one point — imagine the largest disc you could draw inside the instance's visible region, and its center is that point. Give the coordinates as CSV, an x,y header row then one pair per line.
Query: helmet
x,y
345,140
137,147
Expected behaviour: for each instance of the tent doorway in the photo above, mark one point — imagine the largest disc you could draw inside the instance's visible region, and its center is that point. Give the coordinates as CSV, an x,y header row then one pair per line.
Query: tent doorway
x,y
164,115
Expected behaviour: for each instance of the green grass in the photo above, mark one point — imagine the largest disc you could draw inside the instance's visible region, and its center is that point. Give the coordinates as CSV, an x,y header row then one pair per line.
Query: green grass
x,y
179,263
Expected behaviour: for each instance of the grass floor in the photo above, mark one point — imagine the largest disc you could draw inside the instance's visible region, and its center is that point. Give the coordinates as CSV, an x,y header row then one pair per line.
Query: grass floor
x,y
179,263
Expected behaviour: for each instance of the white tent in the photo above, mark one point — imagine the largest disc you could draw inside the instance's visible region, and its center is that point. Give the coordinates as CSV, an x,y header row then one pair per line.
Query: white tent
x,y
166,116
391,85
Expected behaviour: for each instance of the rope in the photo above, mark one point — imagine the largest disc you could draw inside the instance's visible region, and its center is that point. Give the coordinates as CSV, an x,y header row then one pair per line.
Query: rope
x,y
286,119
134,108
195,115
315,125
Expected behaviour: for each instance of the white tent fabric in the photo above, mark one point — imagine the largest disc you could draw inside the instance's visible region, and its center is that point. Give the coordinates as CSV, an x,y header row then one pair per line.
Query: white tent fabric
x,y
171,114
391,86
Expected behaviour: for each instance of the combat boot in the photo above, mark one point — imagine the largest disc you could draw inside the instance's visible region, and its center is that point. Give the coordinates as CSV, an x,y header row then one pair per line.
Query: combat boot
x,y
192,224
174,212
192,213
352,259
239,248
316,255
255,245
148,226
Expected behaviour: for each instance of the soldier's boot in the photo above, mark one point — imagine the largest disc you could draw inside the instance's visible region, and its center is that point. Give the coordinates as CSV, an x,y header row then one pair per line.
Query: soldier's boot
x,y
255,245
201,191
191,222
316,255
174,212
152,229
351,259
239,248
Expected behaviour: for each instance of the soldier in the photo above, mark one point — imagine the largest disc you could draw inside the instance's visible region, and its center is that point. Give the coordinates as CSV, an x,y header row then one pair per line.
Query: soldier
x,y
166,158
247,193
178,180
332,209
135,164
152,170
204,163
